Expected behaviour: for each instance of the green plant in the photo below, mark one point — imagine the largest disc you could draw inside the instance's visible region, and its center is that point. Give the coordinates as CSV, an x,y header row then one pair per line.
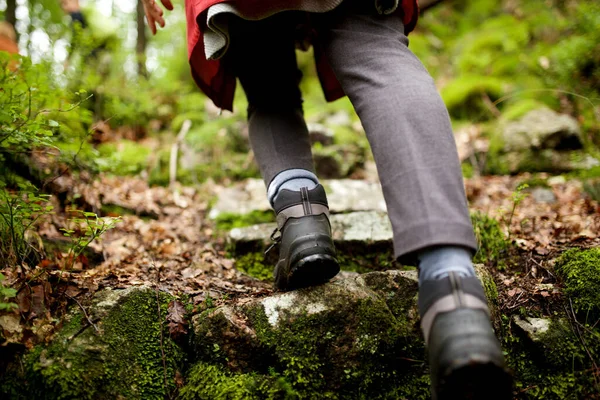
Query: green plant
x,y
85,230
6,293
517,197
19,213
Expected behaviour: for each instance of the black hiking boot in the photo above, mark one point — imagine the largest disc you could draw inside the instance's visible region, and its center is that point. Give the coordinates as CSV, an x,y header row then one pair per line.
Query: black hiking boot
x,y
465,357
306,252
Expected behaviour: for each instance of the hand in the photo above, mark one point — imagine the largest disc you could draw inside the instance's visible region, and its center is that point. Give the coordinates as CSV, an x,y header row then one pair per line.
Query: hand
x,y
154,14
69,6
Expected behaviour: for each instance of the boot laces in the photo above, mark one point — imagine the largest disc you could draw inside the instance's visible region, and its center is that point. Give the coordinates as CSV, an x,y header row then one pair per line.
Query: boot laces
x,y
276,239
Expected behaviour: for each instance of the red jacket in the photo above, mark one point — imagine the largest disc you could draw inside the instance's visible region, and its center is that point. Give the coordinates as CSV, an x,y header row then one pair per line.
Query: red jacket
x,y
219,85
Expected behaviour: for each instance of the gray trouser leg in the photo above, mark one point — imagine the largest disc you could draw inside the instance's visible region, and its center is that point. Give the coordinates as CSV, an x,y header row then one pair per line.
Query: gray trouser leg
x,y
407,126
262,54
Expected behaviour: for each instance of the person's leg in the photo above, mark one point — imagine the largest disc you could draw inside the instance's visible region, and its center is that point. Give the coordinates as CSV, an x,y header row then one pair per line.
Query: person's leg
x,y
410,134
262,55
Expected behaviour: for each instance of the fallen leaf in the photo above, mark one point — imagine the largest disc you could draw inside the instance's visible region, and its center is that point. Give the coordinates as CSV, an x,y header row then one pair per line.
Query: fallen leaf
x,y
176,318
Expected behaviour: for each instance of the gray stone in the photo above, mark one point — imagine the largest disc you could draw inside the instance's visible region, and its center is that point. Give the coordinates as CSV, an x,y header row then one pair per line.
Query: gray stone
x,y
320,134
543,195
344,195
542,129
534,328
334,334
361,230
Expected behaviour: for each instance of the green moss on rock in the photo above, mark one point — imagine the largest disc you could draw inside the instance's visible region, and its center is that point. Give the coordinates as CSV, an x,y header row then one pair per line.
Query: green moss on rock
x,y
123,360
211,382
554,364
255,265
580,272
493,246
228,221
334,341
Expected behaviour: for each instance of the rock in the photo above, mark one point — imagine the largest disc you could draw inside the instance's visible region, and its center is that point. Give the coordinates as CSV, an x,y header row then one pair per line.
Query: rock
x,y
542,129
344,195
340,118
124,355
547,161
543,195
357,334
557,180
243,198
534,328
337,162
320,134
363,232
551,340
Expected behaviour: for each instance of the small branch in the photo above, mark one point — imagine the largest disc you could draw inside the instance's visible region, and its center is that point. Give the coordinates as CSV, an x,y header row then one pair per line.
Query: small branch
x,y
187,124
85,314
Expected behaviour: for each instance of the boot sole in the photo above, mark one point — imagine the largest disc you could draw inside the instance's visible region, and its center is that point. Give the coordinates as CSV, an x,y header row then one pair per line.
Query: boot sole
x,y
311,270
476,379
471,364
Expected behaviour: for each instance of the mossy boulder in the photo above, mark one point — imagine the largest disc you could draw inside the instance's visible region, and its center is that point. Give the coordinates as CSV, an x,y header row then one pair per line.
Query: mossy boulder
x,y
551,359
125,356
355,337
580,272
542,129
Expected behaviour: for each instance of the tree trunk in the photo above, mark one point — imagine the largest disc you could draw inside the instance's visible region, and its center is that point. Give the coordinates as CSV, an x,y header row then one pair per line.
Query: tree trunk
x,y
142,40
11,14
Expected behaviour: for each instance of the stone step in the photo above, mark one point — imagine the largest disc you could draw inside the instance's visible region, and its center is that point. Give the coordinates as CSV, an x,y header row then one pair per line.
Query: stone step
x,y
359,232
344,195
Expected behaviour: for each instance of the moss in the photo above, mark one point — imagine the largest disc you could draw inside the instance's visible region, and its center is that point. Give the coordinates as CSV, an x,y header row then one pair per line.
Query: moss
x,y
206,381
228,221
463,95
124,361
554,367
254,265
369,364
580,272
123,158
368,262
493,246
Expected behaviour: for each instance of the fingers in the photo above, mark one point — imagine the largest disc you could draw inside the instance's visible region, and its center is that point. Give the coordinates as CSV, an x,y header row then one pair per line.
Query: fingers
x,y
154,14
167,3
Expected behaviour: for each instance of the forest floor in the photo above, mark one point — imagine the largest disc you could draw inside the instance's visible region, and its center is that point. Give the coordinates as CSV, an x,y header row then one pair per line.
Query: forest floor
x,y
166,240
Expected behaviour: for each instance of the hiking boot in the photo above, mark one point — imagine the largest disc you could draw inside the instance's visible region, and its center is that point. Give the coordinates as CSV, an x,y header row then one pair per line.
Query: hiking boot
x,y
465,357
306,252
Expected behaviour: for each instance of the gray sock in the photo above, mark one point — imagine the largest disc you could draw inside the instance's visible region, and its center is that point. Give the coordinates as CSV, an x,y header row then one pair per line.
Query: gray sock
x,y
291,179
438,262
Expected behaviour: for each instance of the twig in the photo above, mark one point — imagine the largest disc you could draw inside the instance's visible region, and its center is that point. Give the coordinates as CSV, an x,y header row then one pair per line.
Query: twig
x,y
85,314
582,340
187,124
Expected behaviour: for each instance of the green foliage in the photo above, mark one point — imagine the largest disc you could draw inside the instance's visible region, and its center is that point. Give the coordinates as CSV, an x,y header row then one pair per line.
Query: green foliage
x,y
19,213
85,230
492,243
122,158
6,294
209,382
463,95
580,272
